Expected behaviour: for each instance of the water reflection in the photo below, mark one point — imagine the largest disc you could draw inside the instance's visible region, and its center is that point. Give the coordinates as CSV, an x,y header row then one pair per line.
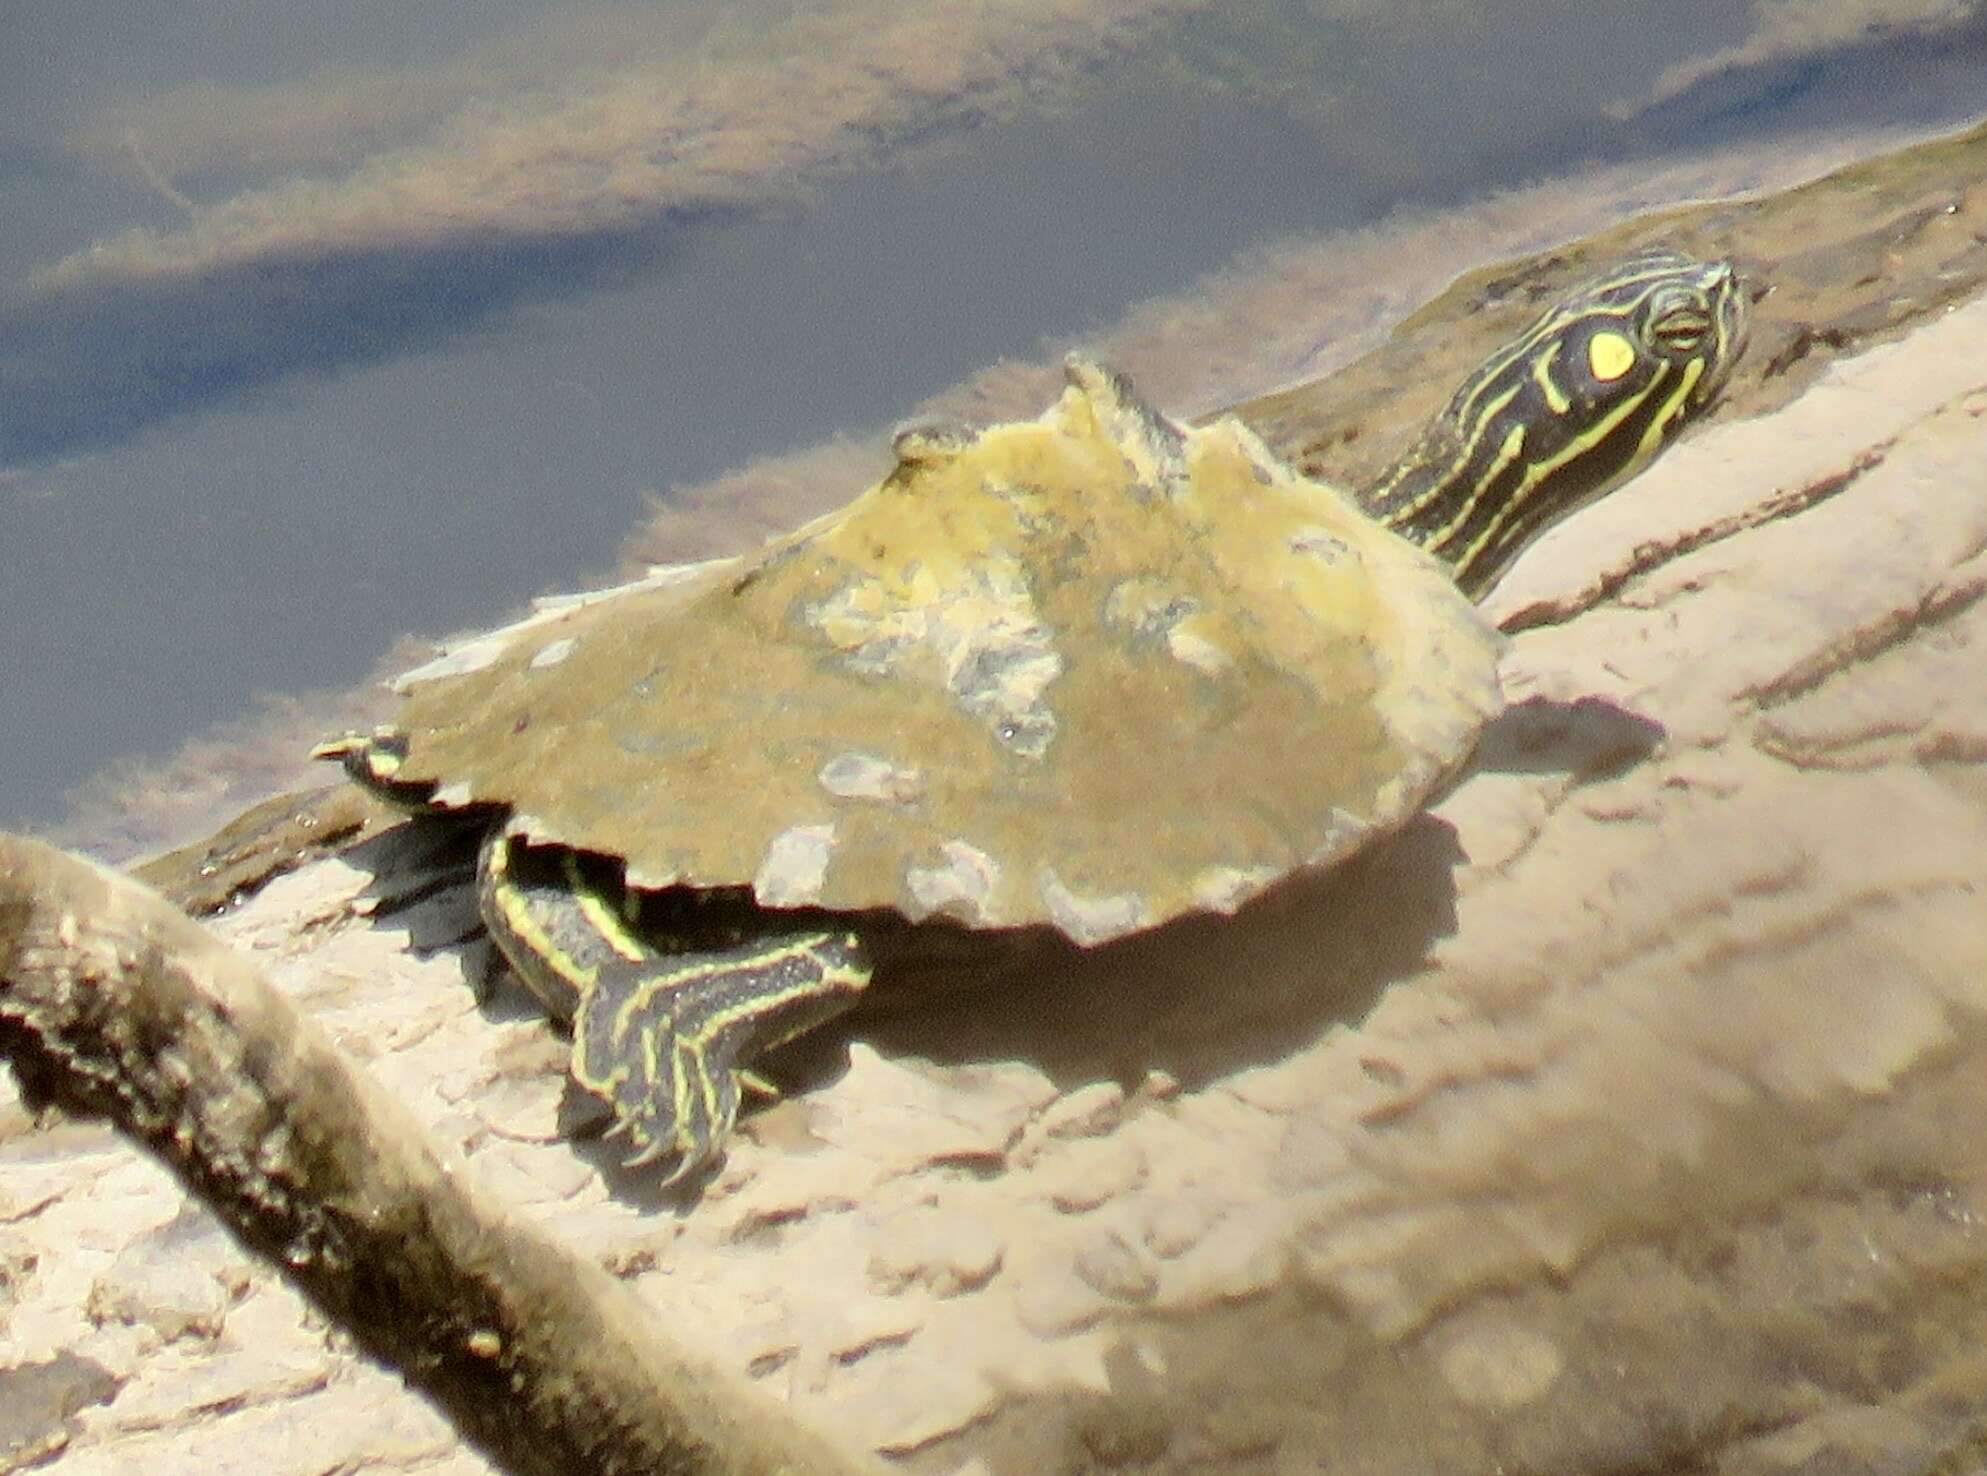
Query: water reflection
x,y
412,328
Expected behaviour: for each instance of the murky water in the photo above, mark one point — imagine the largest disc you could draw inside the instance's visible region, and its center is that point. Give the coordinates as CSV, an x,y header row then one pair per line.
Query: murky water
x,y
425,315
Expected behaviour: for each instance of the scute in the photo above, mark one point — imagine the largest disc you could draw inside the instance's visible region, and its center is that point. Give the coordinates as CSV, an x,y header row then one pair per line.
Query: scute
x,y
1091,670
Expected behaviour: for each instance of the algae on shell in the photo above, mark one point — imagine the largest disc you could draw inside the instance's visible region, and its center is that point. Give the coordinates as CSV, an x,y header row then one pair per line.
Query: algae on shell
x,y
1093,670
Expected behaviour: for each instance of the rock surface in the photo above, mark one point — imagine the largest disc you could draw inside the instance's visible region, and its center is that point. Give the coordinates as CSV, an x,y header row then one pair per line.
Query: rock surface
x,y
1626,1112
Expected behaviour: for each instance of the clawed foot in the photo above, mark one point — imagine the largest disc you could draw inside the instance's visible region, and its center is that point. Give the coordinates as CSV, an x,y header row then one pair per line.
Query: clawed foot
x,y
661,1042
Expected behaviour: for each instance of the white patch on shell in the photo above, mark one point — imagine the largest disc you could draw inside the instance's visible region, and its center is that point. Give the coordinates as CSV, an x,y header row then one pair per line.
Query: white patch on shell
x,y
795,867
455,796
1190,646
960,884
1001,677
659,575
478,651
471,655
996,654
554,653
1146,609
1225,888
1091,919
856,775
1150,611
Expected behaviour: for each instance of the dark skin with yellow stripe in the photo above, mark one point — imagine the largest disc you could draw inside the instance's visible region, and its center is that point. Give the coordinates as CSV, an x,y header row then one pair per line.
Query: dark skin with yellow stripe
x,y
1569,410
670,995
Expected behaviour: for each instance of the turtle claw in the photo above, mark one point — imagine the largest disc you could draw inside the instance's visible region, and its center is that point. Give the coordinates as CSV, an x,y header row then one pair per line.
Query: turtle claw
x,y
648,1150
689,1153
658,1036
673,1093
687,1163
648,1153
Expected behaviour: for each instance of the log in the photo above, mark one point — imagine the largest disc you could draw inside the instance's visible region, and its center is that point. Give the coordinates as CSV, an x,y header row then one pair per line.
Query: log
x,y
113,1004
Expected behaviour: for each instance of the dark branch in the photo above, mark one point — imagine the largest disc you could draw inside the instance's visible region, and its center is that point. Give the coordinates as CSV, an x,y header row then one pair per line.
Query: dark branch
x,y
114,1004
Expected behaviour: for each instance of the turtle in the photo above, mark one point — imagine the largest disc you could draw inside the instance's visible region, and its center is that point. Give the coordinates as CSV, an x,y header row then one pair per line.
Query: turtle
x,y
1072,676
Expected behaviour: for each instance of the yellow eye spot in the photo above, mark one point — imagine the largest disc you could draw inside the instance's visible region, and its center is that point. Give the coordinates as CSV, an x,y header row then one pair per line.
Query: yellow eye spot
x,y
1610,356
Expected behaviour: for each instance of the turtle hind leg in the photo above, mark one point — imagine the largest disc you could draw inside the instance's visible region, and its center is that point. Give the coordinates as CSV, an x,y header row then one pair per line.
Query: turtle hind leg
x,y
662,1028
663,1041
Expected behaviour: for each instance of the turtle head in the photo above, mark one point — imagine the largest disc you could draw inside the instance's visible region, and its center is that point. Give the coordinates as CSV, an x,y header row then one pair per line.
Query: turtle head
x,y
1569,410
1690,319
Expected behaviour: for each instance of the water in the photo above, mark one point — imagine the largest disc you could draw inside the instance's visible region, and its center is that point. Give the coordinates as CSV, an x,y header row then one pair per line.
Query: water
x,y
247,461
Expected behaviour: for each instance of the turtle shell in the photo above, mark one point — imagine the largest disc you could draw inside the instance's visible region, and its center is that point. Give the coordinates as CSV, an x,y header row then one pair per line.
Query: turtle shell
x,y
1092,670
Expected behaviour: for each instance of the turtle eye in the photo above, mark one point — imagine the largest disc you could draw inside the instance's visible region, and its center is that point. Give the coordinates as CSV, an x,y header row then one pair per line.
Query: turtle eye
x,y
1679,322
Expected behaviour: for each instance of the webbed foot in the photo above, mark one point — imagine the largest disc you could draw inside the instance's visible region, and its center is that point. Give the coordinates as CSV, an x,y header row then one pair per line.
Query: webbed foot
x,y
661,1042
664,1020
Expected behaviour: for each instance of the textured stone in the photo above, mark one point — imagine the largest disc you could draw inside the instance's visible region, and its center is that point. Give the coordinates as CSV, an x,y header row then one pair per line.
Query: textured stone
x,y
1616,1115
37,1400
177,1280
266,1353
1497,1364
1175,1226
1086,1112
1052,1305
1111,1265
363,1418
1081,1176
945,1253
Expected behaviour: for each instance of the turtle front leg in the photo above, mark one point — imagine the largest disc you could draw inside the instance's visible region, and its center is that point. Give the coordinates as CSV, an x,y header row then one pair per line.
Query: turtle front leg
x,y
660,1034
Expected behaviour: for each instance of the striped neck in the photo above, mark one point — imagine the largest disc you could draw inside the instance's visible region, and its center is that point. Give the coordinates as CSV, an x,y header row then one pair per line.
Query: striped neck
x,y
1581,402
